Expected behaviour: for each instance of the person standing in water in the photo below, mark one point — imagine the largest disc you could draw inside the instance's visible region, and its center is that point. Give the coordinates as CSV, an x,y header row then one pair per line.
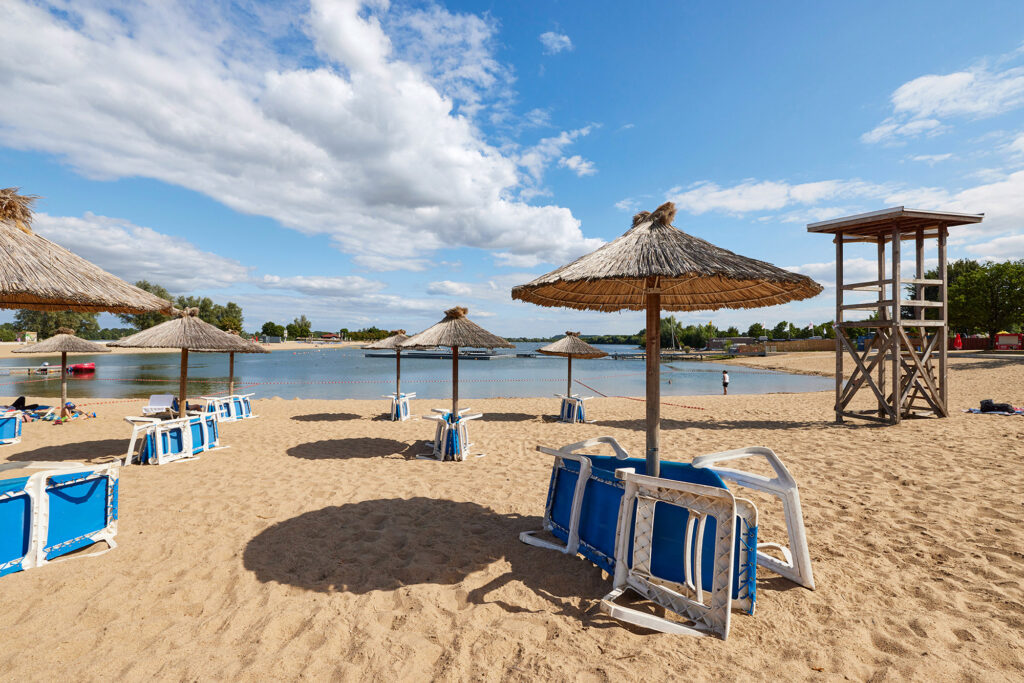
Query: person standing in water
x,y
725,383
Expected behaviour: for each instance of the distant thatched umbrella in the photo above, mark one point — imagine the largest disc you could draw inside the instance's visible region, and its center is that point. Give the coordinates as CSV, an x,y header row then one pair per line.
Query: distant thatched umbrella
x,y
256,348
35,273
393,342
456,330
188,333
655,266
571,346
64,342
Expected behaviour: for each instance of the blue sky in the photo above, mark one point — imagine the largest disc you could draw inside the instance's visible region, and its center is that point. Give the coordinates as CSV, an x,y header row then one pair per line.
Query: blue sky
x,y
375,163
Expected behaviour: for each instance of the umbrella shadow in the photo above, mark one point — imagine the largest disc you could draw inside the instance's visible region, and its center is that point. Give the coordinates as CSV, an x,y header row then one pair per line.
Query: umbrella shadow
x,y
101,451
509,417
343,449
385,544
325,417
670,423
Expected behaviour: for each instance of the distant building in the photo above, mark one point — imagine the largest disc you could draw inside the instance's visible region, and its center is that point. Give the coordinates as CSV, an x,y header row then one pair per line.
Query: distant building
x,y
267,339
329,335
718,343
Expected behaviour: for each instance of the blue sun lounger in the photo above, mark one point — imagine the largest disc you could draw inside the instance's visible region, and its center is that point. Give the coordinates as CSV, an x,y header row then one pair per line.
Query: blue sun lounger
x,y
56,509
164,441
230,408
697,556
10,427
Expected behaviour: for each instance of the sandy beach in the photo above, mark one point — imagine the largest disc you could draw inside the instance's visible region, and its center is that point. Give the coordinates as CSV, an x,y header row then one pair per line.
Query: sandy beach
x,y
316,546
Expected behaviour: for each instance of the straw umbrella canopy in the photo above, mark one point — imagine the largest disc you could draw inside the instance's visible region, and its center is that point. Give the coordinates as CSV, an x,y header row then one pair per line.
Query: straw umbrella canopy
x,y
188,333
37,274
571,346
393,342
64,342
655,266
456,330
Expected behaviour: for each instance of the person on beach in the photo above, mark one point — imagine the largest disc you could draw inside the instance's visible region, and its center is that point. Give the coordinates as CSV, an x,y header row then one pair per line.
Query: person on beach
x,y
725,383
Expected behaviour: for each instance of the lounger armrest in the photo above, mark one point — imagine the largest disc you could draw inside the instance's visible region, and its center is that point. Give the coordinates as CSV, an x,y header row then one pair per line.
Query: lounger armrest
x,y
783,479
439,418
40,465
620,452
133,419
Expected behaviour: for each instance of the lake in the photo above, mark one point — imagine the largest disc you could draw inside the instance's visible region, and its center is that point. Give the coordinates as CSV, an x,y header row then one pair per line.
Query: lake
x,y
329,373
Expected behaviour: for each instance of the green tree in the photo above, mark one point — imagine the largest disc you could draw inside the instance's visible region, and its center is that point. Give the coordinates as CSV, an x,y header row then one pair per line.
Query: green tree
x,y
781,331
142,321
988,299
272,329
733,331
229,317
46,322
757,330
300,327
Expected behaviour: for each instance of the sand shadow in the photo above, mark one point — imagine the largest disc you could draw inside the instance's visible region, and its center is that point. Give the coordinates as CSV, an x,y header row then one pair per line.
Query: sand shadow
x,y
326,417
671,423
104,450
509,417
383,545
342,449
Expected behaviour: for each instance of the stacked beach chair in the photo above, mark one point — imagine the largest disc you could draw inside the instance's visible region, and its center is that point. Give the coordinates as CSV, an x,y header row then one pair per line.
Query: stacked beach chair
x,y
158,440
230,408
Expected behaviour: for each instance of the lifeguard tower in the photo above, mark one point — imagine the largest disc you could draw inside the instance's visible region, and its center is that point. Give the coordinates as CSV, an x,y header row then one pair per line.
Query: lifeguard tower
x,y
899,369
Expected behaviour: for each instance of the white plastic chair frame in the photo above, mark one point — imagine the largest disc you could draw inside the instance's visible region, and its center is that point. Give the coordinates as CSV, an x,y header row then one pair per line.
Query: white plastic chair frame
x,y
142,426
441,434
796,565
229,401
561,455
570,404
19,417
707,607
35,489
400,406
158,403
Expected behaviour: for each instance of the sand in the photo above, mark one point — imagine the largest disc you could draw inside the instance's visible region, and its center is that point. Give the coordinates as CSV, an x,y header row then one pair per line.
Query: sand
x,y
317,547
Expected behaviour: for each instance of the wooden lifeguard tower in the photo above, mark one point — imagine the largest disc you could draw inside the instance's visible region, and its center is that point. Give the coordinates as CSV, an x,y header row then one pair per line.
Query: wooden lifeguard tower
x,y
900,370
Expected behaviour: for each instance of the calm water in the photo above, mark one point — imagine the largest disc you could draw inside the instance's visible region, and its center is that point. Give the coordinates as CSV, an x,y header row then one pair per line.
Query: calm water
x,y
347,373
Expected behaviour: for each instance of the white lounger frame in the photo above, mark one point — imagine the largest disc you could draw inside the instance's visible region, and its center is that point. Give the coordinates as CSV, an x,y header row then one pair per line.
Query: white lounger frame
x,y
35,489
400,406
708,608
441,434
568,409
18,416
163,403
232,415
142,426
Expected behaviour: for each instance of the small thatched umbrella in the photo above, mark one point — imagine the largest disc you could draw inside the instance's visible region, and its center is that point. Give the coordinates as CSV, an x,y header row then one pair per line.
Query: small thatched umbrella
x,y
64,342
655,266
35,273
571,346
456,330
256,348
188,333
393,342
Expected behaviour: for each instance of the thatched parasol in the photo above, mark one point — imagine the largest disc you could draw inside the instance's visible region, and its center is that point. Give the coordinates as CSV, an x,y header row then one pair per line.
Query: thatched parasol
x,y
35,273
393,342
571,346
655,266
456,330
256,348
188,333
64,342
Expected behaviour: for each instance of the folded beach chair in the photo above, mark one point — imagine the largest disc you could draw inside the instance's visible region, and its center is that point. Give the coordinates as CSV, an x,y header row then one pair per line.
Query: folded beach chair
x,y
229,408
602,507
54,510
572,408
451,438
10,427
400,406
164,441
160,403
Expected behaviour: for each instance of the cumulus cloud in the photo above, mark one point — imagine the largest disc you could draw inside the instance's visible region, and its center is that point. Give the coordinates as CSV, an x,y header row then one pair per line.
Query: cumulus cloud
x,y
367,139
449,288
919,105
555,42
999,249
343,286
764,195
134,252
578,165
536,159
932,159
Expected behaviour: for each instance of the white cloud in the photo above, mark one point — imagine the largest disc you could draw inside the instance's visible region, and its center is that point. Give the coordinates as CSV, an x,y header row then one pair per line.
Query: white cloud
x,y
932,159
555,42
999,249
1017,146
578,165
343,286
919,105
449,288
375,147
536,159
764,195
628,204
133,252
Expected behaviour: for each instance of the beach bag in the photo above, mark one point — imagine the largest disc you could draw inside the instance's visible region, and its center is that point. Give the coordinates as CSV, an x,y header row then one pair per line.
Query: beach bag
x,y
988,406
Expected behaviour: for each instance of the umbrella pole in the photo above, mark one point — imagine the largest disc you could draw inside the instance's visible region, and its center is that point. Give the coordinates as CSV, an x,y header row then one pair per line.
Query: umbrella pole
x,y
455,381
398,372
231,373
181,386
653,376
568,391
63,384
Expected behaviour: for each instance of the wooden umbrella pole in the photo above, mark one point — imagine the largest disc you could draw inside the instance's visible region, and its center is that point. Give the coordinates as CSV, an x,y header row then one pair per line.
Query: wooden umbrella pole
x,y
231,373
181,387
653,376
568,391
63,384
398,372
455,382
